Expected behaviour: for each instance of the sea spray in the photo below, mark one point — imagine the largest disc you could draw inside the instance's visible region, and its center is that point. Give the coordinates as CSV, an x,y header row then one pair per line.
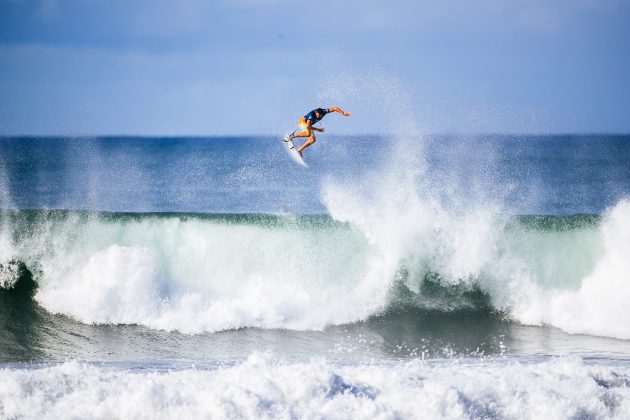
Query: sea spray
x,y
575,279
447,222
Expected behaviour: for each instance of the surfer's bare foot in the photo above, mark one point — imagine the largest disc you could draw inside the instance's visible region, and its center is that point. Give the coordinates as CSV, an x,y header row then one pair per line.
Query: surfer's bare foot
x,y
299,153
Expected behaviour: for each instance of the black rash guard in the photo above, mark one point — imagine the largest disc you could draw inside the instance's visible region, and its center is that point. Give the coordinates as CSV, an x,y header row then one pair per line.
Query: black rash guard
x,y
313,118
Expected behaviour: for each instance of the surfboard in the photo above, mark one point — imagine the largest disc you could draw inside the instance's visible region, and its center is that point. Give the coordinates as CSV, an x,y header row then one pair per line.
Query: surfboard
x,y
290,147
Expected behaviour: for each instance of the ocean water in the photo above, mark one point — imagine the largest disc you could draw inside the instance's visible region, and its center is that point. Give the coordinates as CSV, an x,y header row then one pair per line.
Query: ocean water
x,y
397,277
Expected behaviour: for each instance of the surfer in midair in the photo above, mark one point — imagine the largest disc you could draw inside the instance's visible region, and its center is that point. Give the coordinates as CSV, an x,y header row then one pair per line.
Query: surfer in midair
x,y
306,129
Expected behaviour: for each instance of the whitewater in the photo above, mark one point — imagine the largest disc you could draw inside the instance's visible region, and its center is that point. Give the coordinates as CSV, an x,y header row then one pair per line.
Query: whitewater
x,y
260,387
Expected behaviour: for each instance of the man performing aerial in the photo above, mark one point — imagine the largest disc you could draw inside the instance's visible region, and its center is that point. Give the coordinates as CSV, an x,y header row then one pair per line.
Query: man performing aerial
x,y
306,128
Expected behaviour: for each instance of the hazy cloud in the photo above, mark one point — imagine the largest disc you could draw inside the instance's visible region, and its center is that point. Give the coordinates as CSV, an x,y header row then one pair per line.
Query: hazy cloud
x,y
203,67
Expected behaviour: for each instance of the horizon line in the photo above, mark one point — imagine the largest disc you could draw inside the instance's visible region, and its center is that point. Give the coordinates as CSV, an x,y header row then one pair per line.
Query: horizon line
x,y
208,136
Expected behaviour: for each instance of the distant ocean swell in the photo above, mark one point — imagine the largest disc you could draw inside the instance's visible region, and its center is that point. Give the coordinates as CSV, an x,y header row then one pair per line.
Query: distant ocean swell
x,y
206,273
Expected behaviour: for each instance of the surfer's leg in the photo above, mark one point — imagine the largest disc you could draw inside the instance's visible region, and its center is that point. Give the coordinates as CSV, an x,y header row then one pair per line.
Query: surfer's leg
x,y
305,133
303,130
311,140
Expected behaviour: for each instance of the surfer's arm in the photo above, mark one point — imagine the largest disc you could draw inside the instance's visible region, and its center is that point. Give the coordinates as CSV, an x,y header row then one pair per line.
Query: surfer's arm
x,y
339,110
309,126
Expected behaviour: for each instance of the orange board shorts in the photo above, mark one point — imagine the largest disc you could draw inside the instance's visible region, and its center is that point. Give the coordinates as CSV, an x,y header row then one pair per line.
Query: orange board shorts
x,y
302,125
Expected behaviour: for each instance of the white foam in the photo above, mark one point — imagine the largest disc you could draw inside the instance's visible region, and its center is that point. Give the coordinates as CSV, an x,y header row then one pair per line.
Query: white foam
x,y
198,275
262,387
117,284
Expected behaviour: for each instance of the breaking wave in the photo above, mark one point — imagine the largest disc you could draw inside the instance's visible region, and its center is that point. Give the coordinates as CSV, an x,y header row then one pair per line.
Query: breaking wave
x,y
205,273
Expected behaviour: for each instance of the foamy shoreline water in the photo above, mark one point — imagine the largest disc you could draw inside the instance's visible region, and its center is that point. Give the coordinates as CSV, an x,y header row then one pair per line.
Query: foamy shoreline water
x,y
263,387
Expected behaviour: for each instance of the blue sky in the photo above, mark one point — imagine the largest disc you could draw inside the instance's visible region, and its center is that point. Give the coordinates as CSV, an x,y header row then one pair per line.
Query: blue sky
x,y
254,67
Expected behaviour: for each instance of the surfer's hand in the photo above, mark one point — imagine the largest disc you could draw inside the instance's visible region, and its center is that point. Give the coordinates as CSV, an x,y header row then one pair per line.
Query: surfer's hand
x,y
346,114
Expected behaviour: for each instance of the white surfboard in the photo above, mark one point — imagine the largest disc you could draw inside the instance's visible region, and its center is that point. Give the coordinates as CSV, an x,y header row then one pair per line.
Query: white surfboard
x,y
290,147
